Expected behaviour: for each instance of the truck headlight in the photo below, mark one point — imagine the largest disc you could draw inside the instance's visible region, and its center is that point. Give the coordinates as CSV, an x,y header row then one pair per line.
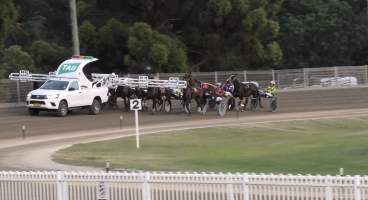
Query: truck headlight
x,y
54,96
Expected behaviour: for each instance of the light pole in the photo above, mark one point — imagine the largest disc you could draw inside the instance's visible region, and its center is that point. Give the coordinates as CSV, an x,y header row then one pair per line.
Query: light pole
x,y
74,23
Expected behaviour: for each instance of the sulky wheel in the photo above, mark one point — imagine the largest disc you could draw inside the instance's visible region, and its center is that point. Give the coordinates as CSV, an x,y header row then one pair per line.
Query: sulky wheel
x,y
222,108
253,104
206,106
159,106
167,106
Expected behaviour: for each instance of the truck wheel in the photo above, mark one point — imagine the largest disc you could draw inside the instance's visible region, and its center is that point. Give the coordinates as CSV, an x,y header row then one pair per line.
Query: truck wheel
x,y
62,111
253,104
33,112
95,108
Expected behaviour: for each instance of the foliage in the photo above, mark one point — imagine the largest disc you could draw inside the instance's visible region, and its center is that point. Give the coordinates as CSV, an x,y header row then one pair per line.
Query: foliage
x,y
323,33
47,56
8,15
15,59
150,48
203,35
111,44
88,37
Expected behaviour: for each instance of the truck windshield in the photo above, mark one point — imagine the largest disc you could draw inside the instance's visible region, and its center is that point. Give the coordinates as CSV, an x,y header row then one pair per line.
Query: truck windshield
x,y
55,85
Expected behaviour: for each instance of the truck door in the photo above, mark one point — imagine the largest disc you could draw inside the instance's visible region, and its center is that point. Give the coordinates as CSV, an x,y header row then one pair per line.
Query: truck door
x,y
75,97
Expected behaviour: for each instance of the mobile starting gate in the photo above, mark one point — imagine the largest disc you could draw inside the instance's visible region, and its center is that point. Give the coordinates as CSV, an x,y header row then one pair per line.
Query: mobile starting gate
x,y
109,80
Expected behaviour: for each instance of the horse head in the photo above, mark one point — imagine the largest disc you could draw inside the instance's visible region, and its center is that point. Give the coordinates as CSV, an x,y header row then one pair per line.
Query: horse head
x,y
189,78
232,78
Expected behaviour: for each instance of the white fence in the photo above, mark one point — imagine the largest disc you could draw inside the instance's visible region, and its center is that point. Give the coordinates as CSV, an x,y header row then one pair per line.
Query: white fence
x,y
178,186
285,79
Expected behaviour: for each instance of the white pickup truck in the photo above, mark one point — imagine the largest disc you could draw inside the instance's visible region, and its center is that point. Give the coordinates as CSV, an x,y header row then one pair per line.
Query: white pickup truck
x,y
68,89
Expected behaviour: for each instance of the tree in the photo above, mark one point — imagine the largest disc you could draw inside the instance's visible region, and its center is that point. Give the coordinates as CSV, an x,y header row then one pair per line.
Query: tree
x,y
47,56
323,33
8,16
112,45
233,34
15,59
88,38
151,48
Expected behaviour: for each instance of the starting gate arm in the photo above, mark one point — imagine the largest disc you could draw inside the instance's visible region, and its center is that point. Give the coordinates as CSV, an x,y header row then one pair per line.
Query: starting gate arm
x,y
26,76
141,81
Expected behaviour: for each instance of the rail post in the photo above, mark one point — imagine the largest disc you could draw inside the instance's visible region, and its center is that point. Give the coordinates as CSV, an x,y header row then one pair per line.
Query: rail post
x,y
328,189
146,191
245,75
121,121
273,74
336,74
62,189
365,74
18,92
216,78
305,77
107,167
245,187
24,129
230,189
357,195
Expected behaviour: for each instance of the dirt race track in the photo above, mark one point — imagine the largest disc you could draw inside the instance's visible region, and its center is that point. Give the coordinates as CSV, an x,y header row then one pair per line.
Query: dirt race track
x,y
51,132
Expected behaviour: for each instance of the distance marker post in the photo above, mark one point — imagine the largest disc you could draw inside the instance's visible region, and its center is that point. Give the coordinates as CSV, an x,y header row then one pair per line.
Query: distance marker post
x,y
136,104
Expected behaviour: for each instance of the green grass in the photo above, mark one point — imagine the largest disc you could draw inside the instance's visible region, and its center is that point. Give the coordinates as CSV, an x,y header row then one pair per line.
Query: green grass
x,y
315,147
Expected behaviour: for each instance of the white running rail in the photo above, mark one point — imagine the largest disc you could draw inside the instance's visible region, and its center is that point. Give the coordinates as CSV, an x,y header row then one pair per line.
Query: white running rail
x,y
178,186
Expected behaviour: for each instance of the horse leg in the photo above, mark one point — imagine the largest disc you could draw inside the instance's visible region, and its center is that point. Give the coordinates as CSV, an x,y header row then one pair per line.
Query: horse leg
x,y
125,104
154,105
160,102
200,103
187,101
112,99
241,105
246,103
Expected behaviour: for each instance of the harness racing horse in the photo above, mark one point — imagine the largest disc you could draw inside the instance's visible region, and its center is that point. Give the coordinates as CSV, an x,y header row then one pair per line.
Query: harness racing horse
x,y
193,91
246,90
171,94
123,92
151,93
154,94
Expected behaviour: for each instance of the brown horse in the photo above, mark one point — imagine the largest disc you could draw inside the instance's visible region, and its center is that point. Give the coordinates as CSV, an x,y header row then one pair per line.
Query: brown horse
x,y
192,91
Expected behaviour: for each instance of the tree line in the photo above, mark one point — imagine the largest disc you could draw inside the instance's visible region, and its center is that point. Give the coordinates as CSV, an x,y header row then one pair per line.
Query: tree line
x,y
141,36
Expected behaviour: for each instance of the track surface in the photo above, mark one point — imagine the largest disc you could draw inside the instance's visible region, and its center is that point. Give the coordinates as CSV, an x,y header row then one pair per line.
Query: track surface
x,y
46,133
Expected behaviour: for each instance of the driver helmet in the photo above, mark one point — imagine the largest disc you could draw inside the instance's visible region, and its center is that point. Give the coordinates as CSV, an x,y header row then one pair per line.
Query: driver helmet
x,y
272,82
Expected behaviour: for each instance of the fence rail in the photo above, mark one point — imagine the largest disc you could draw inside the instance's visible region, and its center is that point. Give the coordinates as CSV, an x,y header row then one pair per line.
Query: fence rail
x,y
177,186
12,91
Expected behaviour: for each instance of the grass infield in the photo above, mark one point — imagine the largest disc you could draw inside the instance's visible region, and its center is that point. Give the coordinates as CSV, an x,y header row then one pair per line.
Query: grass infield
x,y
306,147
